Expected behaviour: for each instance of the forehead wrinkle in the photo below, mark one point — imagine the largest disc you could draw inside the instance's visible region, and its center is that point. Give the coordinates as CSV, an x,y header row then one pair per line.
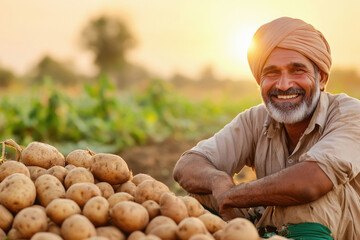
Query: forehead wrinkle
x,y
289,65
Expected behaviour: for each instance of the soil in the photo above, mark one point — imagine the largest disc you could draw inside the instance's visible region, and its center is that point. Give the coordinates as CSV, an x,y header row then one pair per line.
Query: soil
x,y
159,158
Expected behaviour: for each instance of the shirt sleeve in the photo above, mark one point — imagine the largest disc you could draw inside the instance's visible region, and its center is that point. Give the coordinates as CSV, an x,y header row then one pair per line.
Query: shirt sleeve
x,y
233,146
338,150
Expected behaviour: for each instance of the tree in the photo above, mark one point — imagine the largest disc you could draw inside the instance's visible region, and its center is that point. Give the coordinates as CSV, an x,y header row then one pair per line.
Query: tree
x,y
109,39
59,72
6,77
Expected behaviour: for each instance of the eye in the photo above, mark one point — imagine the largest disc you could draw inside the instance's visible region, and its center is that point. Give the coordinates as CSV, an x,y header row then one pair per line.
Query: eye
x,y
273,73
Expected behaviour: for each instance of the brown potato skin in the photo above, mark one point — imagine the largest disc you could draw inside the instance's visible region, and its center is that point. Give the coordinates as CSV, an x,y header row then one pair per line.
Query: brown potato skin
x,y
30,221
150,190
45,236
42,155
129,216
82,192
17,192
111,232
48,188
152,207
106,189
212,222
79,158
6,218
59,172
109,168
157,221
60,209
77,227
96,210
78,175
173,207
9,167
189,227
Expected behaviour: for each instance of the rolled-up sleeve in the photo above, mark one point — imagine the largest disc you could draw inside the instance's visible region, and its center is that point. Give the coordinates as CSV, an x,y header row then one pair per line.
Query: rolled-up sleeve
x,y
233,146
338,150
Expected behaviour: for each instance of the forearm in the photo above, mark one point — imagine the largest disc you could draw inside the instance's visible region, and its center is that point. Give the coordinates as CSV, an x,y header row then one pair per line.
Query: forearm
x,y
299,184
198,175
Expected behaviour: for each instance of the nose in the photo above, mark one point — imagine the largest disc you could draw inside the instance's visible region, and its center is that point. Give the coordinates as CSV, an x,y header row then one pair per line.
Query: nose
x,y
284,82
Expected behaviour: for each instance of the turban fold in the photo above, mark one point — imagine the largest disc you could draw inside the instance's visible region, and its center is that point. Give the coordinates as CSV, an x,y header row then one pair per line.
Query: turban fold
x,y
292,34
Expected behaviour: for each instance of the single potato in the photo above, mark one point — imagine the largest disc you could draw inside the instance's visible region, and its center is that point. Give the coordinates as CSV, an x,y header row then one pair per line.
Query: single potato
x,y
78,175
193,206
17,192
29,221
96,209
165,231
9,167
82,192
111,232
140,177
129,216
152,207
36,171
79,158
212,222
48,188
189,227
77,227
58,171
119,197
42,155
109,168
241,229
45,236
6,218
157,221
60,209
173,207
106,189
128,187
150,190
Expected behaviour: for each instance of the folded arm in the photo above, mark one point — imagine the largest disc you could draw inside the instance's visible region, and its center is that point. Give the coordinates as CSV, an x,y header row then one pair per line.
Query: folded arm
x,y
299,184
198,175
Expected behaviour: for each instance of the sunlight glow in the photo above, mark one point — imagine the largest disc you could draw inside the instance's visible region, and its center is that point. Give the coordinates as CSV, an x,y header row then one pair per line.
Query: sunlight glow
x,y
240,41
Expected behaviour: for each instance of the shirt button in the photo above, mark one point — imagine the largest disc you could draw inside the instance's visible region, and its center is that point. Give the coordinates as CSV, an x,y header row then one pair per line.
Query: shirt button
x,y
290,161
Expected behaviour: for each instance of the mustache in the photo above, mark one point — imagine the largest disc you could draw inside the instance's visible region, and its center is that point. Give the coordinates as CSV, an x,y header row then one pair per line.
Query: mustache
x,y
289,91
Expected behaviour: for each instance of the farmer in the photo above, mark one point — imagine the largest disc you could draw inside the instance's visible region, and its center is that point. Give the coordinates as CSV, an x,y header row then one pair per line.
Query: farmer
x,y
303,143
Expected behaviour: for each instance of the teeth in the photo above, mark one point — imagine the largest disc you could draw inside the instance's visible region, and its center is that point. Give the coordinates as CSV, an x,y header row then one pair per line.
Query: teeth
x,y
287,96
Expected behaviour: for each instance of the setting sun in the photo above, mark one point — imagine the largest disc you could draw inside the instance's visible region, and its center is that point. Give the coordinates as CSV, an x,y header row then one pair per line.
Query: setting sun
x,y
240,41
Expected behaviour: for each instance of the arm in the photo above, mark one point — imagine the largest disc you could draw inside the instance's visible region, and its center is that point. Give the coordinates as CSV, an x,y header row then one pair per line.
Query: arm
x,y
299,184
198,175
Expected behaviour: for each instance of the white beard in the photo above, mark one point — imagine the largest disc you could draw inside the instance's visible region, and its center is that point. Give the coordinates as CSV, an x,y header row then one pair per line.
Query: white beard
x,y
298,113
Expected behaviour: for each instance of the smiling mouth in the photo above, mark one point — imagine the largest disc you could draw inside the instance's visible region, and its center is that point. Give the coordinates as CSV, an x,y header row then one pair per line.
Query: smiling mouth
x,y
290,96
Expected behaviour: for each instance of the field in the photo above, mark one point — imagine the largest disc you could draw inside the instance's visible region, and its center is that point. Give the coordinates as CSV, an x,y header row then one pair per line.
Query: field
x,y
150,126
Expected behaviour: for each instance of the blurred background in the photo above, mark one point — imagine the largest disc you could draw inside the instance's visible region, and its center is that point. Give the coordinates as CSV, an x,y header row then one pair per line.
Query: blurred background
x,y
146,79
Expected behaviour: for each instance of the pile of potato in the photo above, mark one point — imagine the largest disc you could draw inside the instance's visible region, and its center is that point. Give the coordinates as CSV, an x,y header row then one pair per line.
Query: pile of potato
x,y
46,196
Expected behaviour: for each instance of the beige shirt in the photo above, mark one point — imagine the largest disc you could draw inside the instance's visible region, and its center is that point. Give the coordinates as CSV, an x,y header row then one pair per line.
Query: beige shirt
x,y
332,139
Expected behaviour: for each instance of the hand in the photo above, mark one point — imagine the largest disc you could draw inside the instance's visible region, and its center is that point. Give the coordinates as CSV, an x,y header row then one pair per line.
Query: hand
x,y
227,211
220,188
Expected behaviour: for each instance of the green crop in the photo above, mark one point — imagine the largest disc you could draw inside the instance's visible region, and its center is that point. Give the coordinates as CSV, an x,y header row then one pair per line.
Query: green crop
x,y
106,120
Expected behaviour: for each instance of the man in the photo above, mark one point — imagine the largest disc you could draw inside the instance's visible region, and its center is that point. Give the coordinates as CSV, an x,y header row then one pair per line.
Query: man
x,y
303,143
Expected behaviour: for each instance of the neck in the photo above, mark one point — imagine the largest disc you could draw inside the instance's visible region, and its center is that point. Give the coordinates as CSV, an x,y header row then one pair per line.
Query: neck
x,y
295,131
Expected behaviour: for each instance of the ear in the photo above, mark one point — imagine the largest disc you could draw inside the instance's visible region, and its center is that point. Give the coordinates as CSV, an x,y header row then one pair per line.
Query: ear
x,y
323,80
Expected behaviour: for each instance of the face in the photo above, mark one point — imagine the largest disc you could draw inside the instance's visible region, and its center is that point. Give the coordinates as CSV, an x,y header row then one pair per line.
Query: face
x,y
290,86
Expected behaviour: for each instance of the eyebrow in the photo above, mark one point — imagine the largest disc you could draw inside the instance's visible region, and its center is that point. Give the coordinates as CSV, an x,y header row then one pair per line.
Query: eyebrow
x,y
292,64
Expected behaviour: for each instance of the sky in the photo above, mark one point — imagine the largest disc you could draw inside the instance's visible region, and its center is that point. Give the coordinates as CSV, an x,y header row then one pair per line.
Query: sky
x,y
173,36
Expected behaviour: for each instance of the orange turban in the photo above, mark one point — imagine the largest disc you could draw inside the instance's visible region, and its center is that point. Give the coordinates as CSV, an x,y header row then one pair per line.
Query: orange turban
x,y
288,33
